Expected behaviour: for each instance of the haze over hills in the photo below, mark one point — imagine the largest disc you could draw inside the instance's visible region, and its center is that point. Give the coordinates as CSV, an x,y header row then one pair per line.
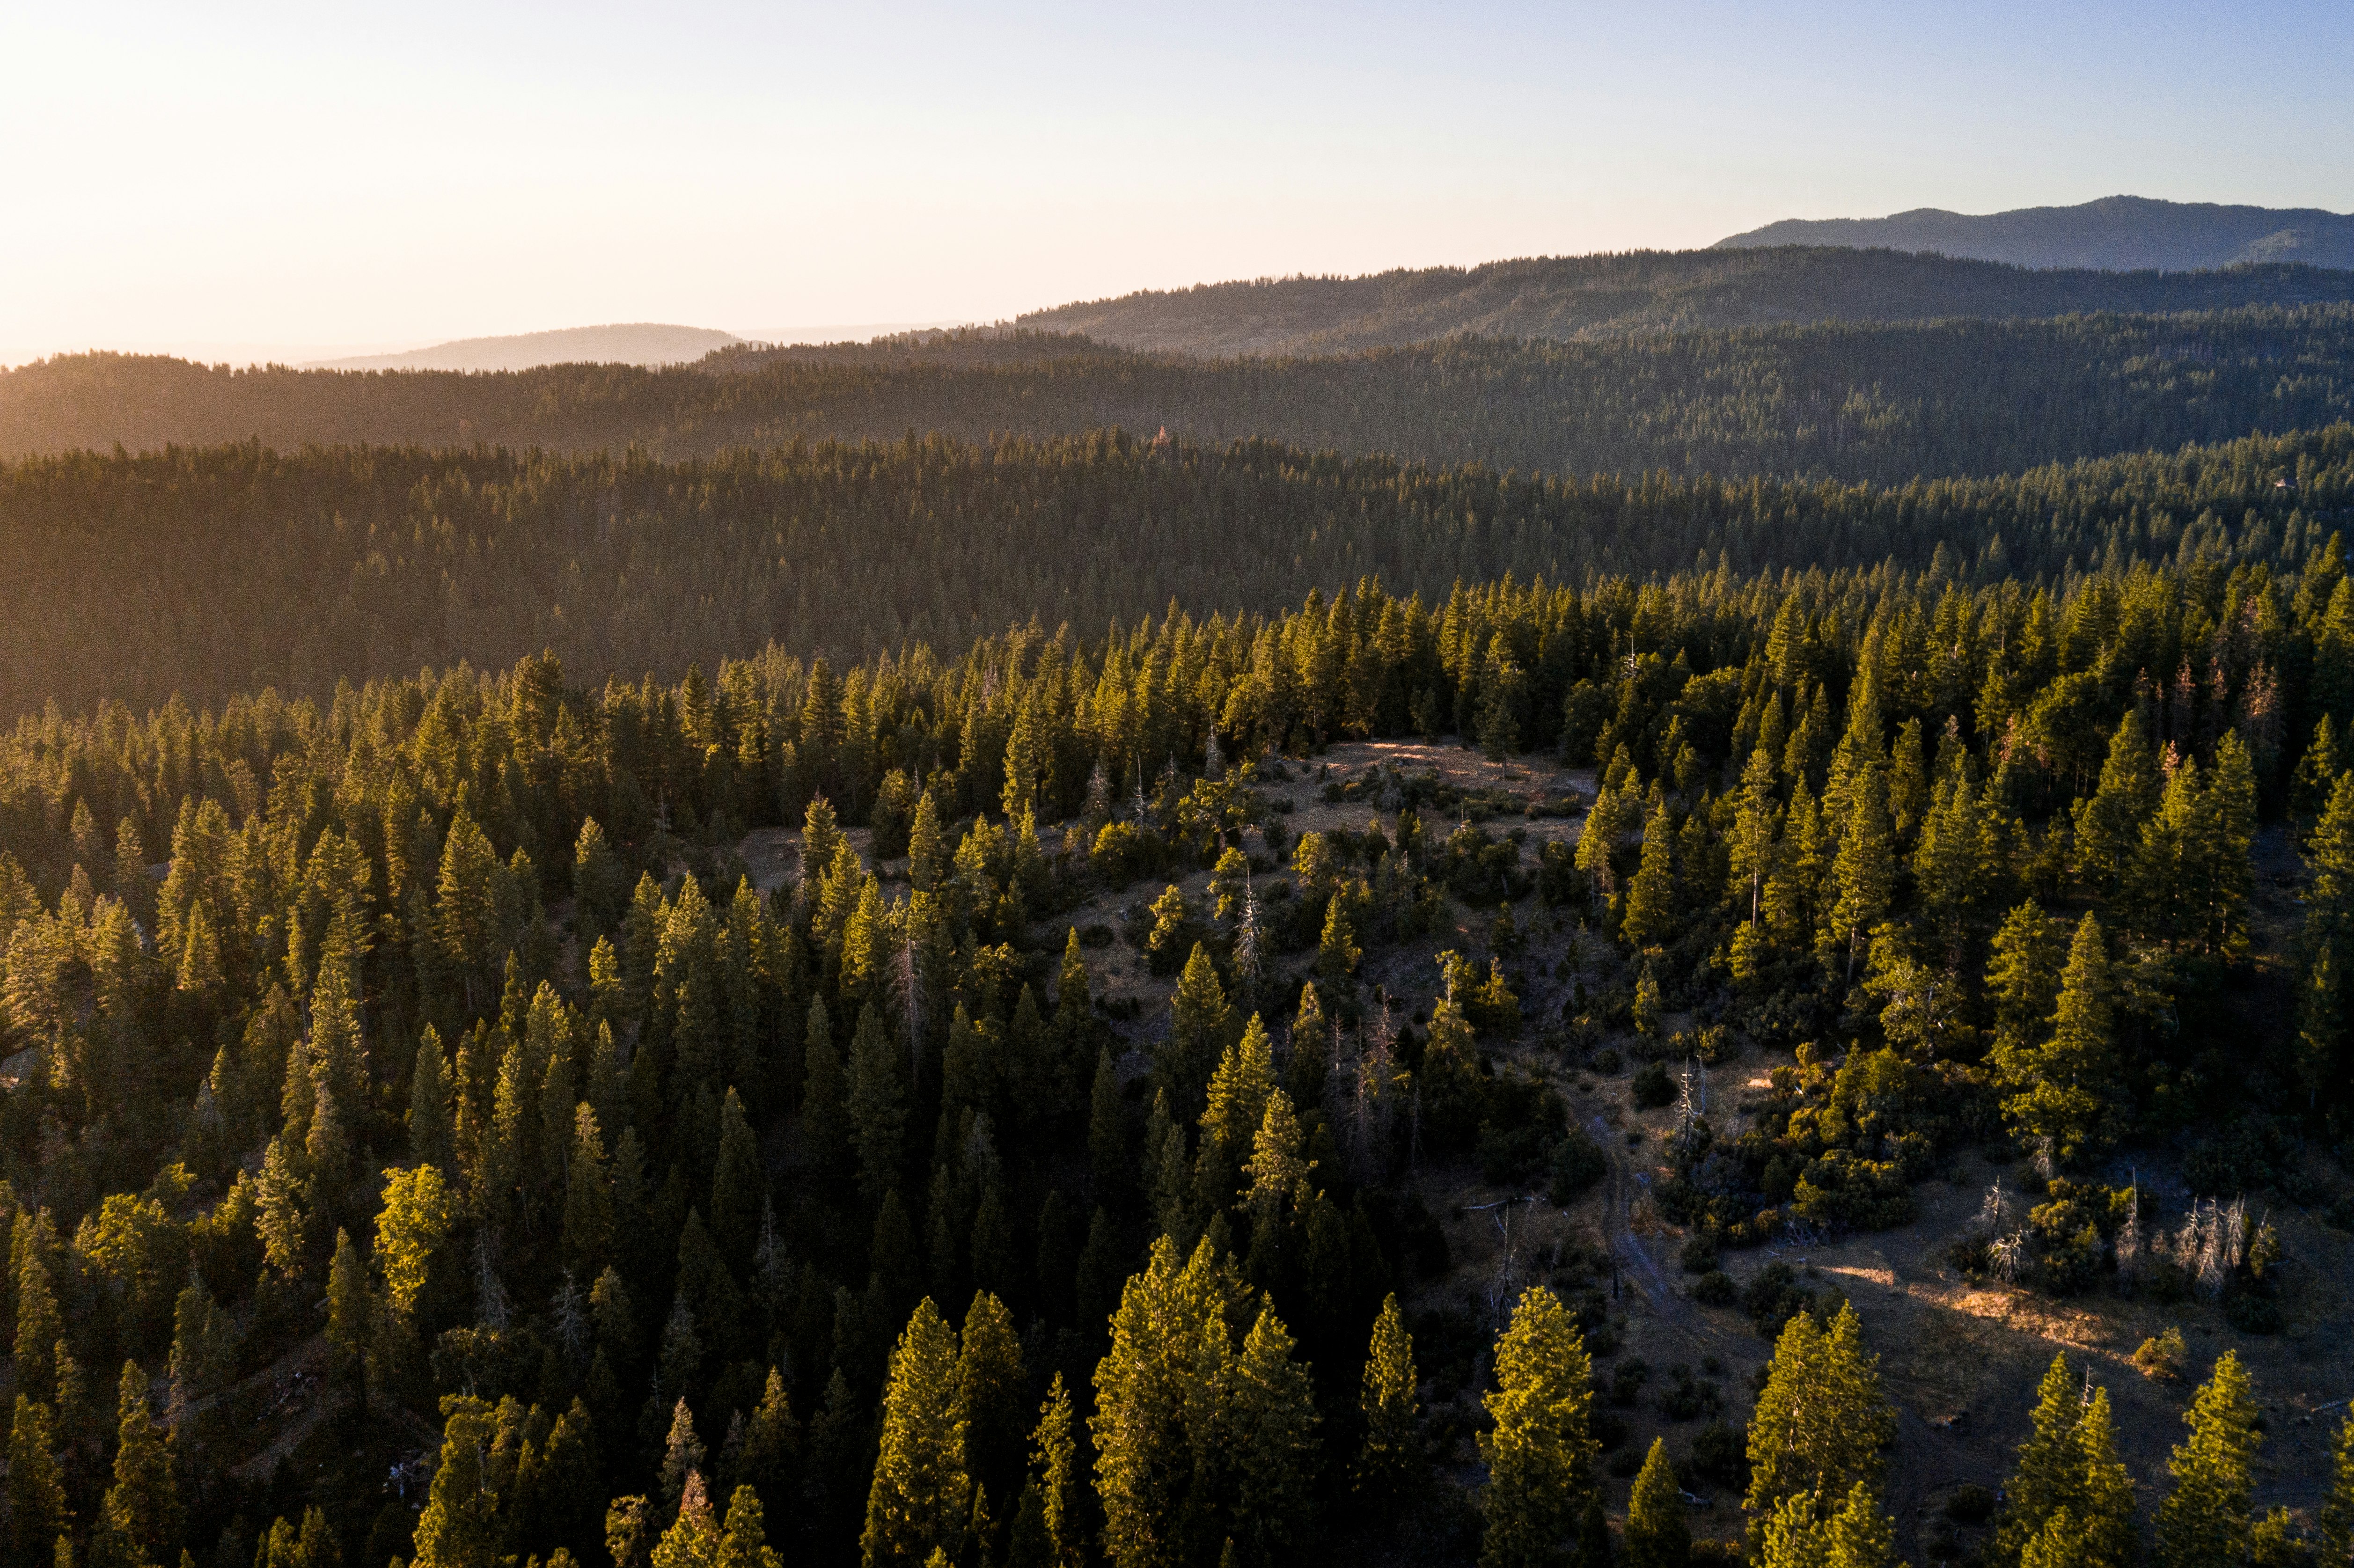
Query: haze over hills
x,y
2118,232
1575,297
1877,401
635,342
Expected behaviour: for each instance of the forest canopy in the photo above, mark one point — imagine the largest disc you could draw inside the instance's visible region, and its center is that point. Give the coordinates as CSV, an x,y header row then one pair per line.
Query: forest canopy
x,y
205,572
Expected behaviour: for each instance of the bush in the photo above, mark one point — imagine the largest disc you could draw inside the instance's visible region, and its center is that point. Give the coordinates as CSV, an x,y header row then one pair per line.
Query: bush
x,y
1607,1061
1578,1163
1971,1504
2162,1357
1699,1254
1509,1156
1627,1380
1096,935
1715,1289
1654,1086
1687,1399
1721,1453
1774,1297
2252,1312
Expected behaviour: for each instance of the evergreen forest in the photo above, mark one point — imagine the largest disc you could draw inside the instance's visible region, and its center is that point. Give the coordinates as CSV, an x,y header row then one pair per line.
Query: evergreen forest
x,y
1496,951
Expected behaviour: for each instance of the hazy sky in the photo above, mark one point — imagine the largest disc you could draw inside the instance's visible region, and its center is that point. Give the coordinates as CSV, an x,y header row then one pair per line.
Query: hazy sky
x,y
233,179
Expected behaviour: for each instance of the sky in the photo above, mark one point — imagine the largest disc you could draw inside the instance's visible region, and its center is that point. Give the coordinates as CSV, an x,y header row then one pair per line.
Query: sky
x,y
241,182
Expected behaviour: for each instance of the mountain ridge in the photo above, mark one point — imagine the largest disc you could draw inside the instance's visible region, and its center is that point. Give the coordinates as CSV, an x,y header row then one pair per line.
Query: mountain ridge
x,y
620,342
2118,233
1626,293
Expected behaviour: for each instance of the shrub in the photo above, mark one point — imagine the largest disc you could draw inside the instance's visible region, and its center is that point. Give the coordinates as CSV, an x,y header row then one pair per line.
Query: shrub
x,y
1578,1163
2162,1357
1971,1504
1098,934
1627,1380
1607,1061
2252,1312
1721,1453
1509,1156
1715,1289
1699,1254
1654,1086
1687,1399
1773,1298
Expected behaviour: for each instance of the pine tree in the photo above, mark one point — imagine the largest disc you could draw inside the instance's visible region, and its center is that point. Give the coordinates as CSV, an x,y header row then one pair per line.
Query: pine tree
x,y
350,1310
739,1189
1865,867
1649,915
1541,1448
431,1131
877,1106
769,1461
2109,1534
1656,1536
2204,1521
1108,1160
414,1221
1272,1419
141,1518
2049,1474
1820,1420
1055,1458
825,1120
38,1327
1197,1034
1164,1436
2337,1521
693,1539
2108,825
683,1450
37,1499
1390,1461
989,1384
2069,1091
743,1541
922,1493
459,1526
2023,980
588,1233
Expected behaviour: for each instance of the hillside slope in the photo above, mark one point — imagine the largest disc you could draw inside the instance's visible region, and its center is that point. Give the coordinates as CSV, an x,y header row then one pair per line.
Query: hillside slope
x,y
1571,297
2117,232
1860,402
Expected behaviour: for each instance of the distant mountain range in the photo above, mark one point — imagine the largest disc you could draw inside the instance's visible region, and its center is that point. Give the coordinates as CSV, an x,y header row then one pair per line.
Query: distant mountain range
x,y
2119,233
636,343
1590,297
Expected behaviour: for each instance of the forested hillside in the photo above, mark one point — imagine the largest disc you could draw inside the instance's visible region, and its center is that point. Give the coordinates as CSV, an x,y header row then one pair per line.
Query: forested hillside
x,y
455,1158
1646,291
1886,404
206,572
2119,232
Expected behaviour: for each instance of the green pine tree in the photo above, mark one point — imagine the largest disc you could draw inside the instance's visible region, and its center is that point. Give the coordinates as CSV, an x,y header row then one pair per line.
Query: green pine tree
x,y
1541,1447
1390,1460
2070,1092
1820,1420
922,1493
140,1520
36,1497
2204,1521
1657,1535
